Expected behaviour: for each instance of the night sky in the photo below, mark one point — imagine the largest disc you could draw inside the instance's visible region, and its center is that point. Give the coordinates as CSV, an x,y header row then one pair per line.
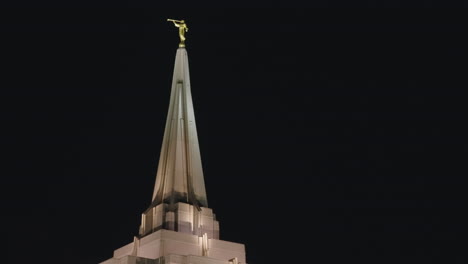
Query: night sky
x,y
327,136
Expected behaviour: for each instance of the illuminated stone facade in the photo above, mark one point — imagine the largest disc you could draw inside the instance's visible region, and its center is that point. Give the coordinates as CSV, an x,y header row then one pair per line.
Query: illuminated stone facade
x,y
178,227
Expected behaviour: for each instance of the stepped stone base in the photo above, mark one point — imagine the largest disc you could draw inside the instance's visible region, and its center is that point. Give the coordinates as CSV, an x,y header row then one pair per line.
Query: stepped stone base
x,y
169,259
166,246
180,217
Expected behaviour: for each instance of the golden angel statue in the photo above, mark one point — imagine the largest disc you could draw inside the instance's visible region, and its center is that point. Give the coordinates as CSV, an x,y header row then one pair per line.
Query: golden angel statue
x,y
182,29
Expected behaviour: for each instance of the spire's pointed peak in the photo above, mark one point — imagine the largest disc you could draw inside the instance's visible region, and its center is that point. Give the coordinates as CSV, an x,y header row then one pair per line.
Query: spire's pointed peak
x,y
180,176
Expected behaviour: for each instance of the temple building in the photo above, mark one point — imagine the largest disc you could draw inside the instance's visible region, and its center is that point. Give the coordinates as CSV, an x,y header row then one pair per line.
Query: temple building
x,y
178,227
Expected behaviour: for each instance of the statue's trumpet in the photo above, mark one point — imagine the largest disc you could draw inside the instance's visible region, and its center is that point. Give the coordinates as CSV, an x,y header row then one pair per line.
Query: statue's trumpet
x,y
173,20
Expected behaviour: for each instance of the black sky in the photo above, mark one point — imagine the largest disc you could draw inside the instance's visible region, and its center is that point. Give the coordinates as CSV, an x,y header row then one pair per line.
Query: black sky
x,y
326,135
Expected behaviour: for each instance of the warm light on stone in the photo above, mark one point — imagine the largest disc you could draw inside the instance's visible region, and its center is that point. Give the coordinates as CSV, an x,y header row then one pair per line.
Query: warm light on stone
x,y
178,227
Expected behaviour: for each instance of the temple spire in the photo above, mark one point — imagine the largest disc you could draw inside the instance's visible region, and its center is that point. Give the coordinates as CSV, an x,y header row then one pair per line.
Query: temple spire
x,y
180,176
178,227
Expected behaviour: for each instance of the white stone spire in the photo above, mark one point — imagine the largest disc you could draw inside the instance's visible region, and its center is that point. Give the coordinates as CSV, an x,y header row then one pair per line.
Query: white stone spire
x,y
178,227
180,176
179,199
